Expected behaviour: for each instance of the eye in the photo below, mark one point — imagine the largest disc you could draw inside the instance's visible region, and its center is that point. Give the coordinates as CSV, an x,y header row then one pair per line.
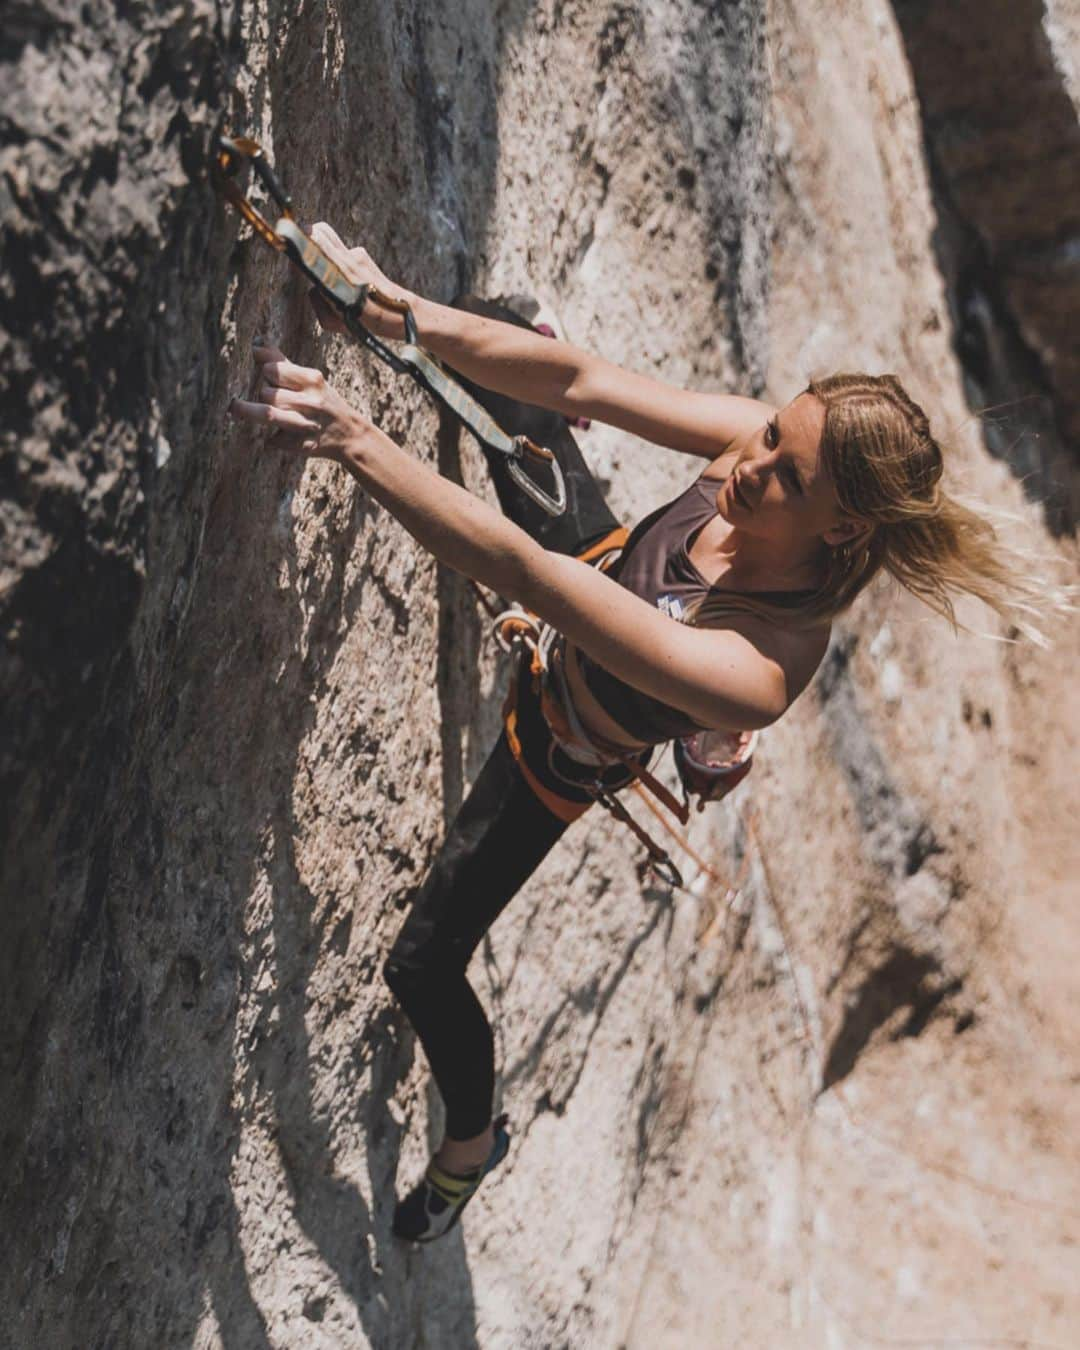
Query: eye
x,y
772,434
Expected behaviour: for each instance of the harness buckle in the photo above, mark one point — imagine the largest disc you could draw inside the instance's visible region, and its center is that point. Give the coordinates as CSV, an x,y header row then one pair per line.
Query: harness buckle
x,y
515,626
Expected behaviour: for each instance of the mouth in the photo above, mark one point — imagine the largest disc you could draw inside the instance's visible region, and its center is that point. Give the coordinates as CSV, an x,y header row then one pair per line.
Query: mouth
x,y
737,495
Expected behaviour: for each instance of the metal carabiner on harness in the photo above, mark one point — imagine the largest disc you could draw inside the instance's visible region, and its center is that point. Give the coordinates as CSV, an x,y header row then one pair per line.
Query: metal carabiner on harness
x,y
517,630
286,236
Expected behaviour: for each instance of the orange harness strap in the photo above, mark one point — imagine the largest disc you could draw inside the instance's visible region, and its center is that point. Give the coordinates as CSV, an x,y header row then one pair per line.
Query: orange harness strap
x,y
616,539
560,807
556,718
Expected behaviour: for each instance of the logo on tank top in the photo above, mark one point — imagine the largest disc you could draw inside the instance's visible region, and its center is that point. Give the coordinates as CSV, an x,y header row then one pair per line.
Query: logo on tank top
x,y
670,605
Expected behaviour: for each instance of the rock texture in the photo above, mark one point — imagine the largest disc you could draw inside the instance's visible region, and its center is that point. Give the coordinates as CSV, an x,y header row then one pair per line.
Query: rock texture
x,y
1009,207
833,1104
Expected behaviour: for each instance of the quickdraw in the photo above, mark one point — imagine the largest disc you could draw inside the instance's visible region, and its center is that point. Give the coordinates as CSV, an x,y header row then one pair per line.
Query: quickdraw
x,y
286,236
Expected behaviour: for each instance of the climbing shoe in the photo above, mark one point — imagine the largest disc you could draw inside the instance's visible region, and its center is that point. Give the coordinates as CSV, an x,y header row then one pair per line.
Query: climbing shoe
x,y
435,1204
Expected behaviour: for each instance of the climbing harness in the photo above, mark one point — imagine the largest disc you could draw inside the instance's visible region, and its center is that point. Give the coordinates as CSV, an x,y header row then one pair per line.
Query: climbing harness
x,y
709,763
530,641
286,236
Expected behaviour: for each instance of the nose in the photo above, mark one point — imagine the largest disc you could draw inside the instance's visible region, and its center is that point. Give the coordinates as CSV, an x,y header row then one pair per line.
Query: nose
x,y
756,469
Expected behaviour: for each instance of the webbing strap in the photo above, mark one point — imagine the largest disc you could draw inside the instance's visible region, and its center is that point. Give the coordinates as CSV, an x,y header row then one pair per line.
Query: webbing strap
x,y
658,857
286,236
411,359
610,543
562,808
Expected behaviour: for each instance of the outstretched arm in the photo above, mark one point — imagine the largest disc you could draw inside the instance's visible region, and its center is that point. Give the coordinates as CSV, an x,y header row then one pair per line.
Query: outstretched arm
x,y
720,677
558,375
525,365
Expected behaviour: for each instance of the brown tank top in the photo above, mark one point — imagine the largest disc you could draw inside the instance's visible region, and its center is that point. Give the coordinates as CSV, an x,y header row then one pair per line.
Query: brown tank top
x,y
655,565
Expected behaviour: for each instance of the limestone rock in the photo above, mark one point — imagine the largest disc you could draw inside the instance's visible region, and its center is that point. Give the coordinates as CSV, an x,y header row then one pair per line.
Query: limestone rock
x,y
831,1105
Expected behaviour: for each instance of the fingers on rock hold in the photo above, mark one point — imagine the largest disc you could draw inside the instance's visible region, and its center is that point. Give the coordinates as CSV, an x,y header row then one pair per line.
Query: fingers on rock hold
x,y
283,375
327,231
286,418
247,411
267,351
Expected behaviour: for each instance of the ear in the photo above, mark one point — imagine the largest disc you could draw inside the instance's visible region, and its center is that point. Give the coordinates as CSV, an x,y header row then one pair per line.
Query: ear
x,y
846,531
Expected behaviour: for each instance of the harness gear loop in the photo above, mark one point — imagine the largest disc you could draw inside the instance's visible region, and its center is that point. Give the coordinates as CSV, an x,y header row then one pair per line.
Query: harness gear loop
x,y
515,629
349,299
709,763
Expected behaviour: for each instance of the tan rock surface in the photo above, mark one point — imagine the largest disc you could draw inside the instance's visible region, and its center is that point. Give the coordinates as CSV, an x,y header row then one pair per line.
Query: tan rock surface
x,y
838,1109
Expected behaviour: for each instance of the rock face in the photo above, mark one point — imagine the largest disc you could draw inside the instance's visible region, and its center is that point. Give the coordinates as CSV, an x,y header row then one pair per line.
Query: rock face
x,y
1009,206
832,1105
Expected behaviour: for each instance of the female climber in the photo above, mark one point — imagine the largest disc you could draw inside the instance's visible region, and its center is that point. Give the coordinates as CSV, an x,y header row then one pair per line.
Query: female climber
x,y
716,614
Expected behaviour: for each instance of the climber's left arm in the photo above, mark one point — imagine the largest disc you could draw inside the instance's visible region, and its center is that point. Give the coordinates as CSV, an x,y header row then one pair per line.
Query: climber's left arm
x,y
311,419
725,678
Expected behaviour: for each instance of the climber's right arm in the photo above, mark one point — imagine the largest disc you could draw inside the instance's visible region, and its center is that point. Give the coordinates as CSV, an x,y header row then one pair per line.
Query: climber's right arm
x,y
558,375
527,366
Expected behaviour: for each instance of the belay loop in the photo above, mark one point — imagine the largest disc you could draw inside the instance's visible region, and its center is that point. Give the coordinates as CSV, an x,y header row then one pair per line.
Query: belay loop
x,y
286,236
517,630
709,763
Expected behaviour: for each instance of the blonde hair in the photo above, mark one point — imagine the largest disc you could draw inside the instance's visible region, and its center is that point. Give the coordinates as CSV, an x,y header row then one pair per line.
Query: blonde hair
x,y
886,468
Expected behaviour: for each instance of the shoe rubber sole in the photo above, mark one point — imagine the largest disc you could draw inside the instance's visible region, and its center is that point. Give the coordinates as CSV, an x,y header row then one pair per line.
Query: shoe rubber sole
x,y
499,1150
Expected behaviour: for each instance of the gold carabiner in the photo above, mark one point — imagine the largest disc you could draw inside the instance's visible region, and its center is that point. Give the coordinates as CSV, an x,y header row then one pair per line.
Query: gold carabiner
x,y
231,151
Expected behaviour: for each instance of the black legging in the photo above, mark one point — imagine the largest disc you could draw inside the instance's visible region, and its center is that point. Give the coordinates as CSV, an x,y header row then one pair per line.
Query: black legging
x,y
503,831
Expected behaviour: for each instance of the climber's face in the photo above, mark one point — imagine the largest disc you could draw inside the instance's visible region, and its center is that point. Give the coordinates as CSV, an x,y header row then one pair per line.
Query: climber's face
x,y
778,487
